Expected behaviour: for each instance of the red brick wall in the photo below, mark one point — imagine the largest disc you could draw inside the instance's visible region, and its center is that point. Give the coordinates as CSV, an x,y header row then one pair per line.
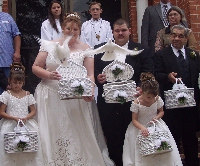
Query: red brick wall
x,y
5,6
194,18
190,7
133,19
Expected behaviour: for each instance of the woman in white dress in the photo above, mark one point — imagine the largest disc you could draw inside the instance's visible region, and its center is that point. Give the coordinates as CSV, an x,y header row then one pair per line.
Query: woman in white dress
x,y
14,106
148,107
51,28
70,130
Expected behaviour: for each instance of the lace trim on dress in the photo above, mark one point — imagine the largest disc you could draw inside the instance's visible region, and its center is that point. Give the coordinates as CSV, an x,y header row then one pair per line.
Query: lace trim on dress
x,y
67,153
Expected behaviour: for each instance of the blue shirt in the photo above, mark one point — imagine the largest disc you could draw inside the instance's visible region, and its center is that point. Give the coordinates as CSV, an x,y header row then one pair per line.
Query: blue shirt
x,y
8,30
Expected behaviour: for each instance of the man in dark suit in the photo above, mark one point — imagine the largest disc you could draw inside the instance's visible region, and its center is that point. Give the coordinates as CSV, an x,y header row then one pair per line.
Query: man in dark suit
x,y
154,20
177,61
115,117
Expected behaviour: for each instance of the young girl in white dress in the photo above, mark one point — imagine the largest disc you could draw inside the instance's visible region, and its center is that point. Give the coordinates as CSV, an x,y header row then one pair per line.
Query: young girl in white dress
x,y
148,107
14,106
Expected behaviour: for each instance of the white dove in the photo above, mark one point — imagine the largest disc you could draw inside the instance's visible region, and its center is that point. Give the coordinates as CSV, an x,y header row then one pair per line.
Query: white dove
x,y
112,51
62,52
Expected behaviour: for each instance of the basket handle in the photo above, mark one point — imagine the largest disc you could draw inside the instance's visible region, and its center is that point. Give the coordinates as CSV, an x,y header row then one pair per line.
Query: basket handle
x,y
154,125
157,121
179,79
21,121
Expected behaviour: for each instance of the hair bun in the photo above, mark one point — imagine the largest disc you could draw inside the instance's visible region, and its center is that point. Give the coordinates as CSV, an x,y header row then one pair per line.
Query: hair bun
x,y
17,66
146,76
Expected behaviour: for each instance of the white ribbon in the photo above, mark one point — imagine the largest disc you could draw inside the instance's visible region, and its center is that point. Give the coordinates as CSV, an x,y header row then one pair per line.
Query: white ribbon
x,y
18,130
77,83
118,93
182,94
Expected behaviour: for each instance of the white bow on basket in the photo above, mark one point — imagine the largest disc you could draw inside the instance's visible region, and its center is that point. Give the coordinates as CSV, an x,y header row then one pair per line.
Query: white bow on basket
x,y
20,141
158,140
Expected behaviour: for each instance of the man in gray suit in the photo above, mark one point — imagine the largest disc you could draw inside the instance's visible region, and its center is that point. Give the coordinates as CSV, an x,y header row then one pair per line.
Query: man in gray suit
x,y
154,20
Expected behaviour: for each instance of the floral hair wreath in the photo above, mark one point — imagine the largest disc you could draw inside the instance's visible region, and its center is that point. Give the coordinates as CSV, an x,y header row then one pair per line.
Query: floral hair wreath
x,y
73,15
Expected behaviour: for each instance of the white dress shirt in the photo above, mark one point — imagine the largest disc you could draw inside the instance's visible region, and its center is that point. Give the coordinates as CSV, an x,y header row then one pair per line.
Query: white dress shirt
x,y
48,32
92,28
177,53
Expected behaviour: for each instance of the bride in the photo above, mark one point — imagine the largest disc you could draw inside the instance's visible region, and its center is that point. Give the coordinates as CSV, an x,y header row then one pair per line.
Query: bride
x,y
70,129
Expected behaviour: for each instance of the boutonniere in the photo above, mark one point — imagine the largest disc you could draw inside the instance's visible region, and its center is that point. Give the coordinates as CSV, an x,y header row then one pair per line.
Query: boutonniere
x,y
135,49
193,54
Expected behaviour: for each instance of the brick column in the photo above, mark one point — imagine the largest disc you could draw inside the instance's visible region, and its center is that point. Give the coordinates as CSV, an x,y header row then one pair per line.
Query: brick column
x,y
5,6
133,19
194,18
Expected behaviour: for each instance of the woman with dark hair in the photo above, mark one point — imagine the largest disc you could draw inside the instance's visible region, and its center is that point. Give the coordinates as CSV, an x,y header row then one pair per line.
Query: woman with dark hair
x,y
175,17
51,28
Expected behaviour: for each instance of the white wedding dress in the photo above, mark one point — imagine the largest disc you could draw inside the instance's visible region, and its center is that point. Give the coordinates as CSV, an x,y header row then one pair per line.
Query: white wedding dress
x,y
131,155
18,108
70,130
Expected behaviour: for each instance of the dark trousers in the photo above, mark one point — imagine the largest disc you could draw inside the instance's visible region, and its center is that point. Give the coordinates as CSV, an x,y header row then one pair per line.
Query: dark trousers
x,y
115,119
182,123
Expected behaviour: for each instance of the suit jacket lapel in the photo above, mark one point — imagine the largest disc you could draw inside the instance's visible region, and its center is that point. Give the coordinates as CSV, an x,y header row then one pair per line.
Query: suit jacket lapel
x,y
158,9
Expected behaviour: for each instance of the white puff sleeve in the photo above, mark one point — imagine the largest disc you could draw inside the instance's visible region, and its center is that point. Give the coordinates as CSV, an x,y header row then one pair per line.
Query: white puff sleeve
x,y
4,97
31,100
160,102
134,107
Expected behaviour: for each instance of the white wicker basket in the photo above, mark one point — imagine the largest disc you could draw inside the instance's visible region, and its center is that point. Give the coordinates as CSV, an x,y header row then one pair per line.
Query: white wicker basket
x,y
67,90
73,74
180,96
129,87
149,145
31,146
126,74
73,70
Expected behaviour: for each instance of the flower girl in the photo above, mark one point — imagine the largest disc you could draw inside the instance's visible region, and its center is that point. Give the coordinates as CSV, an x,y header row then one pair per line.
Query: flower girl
x,y
14,107
148,107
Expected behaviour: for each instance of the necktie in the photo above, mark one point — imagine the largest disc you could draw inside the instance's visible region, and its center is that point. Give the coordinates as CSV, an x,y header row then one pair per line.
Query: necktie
x,y
181,58
165,21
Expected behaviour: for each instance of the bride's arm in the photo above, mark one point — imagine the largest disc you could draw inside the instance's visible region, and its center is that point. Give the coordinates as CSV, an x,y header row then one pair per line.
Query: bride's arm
x,y
38,68
89,65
